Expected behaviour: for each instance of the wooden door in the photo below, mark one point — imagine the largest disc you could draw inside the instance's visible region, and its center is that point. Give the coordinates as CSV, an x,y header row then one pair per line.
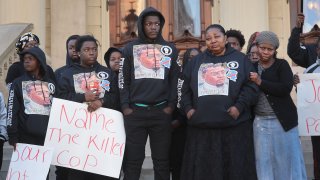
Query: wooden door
x,y
185,25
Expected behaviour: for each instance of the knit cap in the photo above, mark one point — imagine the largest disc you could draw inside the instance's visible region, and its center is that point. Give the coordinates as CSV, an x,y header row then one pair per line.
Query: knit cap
x,y
269,38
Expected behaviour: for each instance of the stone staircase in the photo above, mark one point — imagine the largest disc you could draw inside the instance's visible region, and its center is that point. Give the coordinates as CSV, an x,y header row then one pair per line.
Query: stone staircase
x,y
9,34
147,172
308,157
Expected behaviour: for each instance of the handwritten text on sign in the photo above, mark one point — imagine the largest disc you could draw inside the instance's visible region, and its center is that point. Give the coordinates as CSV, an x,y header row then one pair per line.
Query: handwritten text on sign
x,y
308,101
92,142
29,162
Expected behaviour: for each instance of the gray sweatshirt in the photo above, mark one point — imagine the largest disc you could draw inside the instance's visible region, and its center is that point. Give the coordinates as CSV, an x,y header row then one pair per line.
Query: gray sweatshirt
x,y
3,119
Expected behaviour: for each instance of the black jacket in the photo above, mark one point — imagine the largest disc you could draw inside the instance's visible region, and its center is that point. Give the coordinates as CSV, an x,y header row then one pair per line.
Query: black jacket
x,y
29,102
237,90
139,84
277,83
76,80
58,73
16,70
303,56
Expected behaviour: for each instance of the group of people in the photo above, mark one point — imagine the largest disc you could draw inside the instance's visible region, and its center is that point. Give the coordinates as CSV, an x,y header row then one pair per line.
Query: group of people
x,y
217,114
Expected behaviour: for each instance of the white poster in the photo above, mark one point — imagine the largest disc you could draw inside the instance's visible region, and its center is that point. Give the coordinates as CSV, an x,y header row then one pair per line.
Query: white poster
x,y
308,101
29,162
91,142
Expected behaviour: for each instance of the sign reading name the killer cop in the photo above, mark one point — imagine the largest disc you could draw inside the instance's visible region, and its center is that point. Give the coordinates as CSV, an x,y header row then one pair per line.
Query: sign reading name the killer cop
x,y
29,162
92,142
308,104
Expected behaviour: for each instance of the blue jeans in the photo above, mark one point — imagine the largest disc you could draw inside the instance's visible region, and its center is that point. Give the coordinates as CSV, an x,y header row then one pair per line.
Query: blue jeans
x,y
278,153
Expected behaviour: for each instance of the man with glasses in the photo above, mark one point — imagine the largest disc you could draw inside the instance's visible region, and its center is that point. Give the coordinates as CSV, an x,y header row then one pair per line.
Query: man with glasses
x,y
147,82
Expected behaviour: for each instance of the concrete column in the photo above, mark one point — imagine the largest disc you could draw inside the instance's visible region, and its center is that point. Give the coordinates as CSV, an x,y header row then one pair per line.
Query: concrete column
x,y
31,11
248,16
67,18
105,35
279,23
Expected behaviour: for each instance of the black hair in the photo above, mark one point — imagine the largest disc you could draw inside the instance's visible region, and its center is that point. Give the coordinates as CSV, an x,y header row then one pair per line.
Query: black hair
x,y
153,13
318,42
68,58
83,39
237,34
107,55
216,26
72,37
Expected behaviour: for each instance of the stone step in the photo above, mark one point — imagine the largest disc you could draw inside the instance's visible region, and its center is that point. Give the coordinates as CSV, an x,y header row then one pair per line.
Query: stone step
x,y
307,155
306,143
147,168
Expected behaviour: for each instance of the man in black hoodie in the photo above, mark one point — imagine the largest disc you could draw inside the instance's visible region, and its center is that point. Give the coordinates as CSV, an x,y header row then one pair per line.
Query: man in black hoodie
x,y
29,101
72,56
147,82
91,83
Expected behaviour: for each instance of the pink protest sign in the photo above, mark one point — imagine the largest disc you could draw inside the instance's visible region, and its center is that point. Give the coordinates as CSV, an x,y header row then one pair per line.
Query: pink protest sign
x,y
91,142
29,162
308,104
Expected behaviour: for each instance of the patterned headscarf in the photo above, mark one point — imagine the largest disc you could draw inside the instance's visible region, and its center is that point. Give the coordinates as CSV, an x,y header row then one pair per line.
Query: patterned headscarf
x,y
24,39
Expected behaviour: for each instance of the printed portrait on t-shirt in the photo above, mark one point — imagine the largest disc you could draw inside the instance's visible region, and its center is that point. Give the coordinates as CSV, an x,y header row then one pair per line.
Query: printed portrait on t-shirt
x,y
37,97
150,60
91,81
212,79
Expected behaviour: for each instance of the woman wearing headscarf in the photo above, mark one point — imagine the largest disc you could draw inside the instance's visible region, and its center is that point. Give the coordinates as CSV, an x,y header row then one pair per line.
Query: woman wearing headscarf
x,y
276,139
217,97
25,42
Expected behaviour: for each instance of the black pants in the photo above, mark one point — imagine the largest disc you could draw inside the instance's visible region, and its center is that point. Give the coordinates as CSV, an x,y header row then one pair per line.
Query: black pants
x,y
141,123
316,155
176,151
62,173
